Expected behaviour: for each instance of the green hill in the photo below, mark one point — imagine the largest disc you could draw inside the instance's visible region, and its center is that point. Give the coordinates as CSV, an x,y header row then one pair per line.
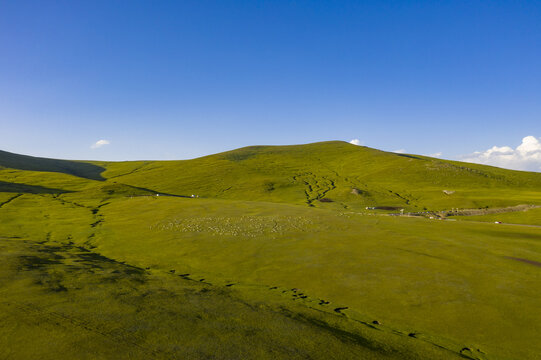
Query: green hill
x,y
332,174
331,171
350,176
275,256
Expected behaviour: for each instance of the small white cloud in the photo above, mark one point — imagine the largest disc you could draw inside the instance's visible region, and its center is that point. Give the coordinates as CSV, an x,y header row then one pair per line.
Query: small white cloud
x,y
400,151
356,142
100,143
526,156
436,155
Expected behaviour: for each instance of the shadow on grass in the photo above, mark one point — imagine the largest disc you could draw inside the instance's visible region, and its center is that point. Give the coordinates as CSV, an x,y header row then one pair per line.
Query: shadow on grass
x,y
51,263
410,156
29,189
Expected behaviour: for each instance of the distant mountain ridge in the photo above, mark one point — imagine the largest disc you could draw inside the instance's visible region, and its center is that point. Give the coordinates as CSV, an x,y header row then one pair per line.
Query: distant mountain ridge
x,y
77,168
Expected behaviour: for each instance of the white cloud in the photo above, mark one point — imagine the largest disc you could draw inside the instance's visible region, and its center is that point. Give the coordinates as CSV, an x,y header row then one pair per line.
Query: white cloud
x,y
436,155
100,143
400,151
526,156
356,142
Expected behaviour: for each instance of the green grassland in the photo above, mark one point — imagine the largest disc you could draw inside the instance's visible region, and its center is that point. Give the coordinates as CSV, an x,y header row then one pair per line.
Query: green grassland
x,y
95,265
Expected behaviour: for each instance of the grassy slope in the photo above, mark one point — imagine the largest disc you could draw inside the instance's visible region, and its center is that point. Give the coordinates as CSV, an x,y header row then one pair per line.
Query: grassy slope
x,y
300,174
305,173
454,284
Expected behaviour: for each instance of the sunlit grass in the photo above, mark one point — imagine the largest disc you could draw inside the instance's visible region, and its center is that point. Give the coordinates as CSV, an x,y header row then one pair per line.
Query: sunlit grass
x,y
96,265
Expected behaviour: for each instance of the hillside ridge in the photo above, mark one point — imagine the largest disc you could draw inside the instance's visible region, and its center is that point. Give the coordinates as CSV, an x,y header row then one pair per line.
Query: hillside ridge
x,y
333,174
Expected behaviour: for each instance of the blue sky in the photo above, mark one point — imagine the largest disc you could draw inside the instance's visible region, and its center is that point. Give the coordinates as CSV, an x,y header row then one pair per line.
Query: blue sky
x,y
180,79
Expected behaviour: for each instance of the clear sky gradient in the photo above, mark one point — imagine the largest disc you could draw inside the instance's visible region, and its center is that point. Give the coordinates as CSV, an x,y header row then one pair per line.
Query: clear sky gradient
x,y
180,79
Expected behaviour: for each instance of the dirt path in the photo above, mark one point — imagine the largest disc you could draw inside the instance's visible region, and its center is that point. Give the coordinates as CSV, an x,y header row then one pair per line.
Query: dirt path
x,y
489,211
503,224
